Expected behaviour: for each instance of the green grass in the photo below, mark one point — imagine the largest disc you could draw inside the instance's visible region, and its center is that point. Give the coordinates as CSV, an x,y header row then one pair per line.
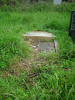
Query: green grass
x,y
56,79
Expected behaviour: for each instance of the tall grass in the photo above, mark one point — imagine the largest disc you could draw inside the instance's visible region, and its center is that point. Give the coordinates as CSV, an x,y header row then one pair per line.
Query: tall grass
x,y
11,42
41,6
56,80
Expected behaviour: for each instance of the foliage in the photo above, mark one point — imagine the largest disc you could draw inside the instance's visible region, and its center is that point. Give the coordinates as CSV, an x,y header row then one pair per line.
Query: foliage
x,y
41,6
56,80
10,43
53,83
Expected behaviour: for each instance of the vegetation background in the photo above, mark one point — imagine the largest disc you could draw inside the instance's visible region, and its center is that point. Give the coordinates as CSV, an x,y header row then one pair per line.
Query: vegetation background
x,y
54,75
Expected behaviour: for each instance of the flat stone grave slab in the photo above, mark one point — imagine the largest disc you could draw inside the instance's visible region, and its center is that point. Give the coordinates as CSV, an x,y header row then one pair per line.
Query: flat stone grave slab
x,y
39,36
42,41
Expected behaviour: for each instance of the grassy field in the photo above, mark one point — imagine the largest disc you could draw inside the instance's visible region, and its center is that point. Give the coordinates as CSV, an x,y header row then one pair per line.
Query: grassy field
x,y
56,76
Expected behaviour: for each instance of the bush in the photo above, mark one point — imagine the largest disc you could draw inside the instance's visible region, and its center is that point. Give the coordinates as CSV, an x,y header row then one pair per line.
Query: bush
x,y
8,2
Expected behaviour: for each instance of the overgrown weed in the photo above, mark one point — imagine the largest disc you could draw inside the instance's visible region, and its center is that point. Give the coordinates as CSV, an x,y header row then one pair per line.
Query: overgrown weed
x,y
56,80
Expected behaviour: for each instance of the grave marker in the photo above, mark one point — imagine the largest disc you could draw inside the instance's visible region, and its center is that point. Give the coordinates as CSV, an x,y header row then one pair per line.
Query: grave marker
x,y
57,2
72,24
42,41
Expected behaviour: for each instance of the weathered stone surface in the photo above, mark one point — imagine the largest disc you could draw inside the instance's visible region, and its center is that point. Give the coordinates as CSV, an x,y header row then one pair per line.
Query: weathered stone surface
x,y
39,36
43,46
56,46
42,41
57,2
46,46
